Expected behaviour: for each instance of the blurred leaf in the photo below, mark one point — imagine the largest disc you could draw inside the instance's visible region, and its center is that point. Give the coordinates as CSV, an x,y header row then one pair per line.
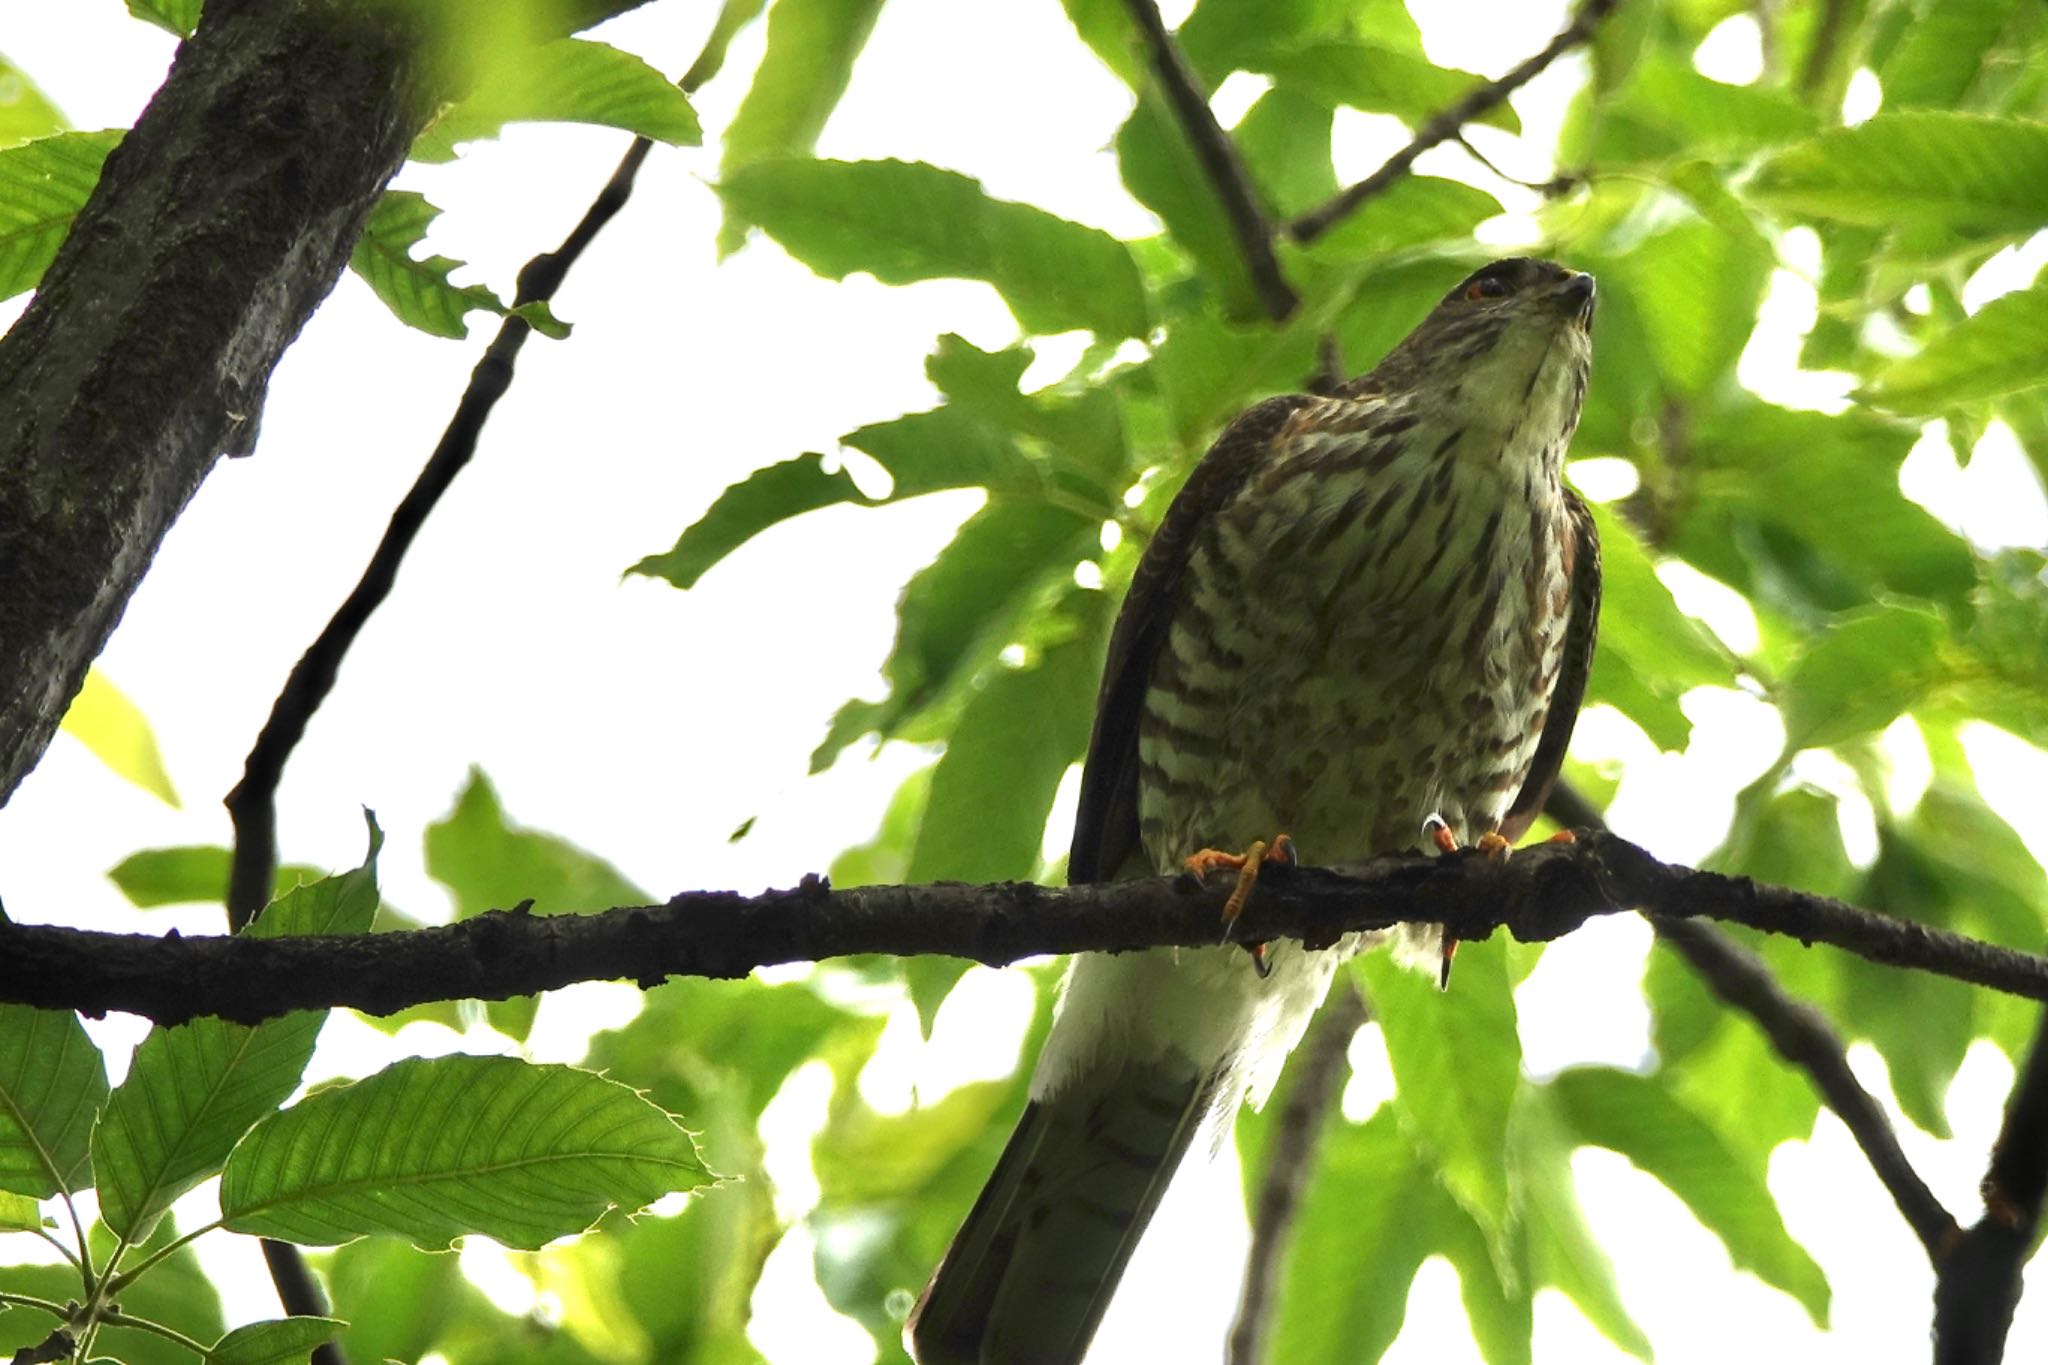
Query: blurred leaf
x,y
1359,73
1285,139
43,184
959,612
178,16
903,221
489,863
1457,1060
883,860
809,59
429,1149
102,718
52,1084
1666,109
417,290
188,874
395,1299
1222,36
1209,370
1970,174
277,1342
1162,172
19,1213
2000,349
1641,620
1941,52
1414,211
570,80
1636,1117
175,1293
193,1090
26,113
1698,290
1861,674
1562,1251
1105,27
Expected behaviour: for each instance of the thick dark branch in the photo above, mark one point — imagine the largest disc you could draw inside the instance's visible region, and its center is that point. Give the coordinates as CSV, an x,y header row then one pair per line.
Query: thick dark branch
x,y
1979,1283
1542,893
218,224
1314,1088
1444,126
252,803
1804,1038
1221,162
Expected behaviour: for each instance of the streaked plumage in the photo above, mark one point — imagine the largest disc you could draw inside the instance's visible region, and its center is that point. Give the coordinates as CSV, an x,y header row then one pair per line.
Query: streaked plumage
x,y
1362,609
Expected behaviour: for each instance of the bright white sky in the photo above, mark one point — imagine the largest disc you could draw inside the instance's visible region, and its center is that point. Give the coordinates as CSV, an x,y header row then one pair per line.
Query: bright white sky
x,y
647,723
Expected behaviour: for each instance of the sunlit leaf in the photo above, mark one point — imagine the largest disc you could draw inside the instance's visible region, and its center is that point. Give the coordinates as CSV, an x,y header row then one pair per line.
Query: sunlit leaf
x,y
571,80
189,873
102,718
1998,350
1971,174
52,1083
1381,79
43,185
902,221
178,16
175,1294
1562,1251
1941,53
417,289
26,113
280,1341
1861,674
429,1149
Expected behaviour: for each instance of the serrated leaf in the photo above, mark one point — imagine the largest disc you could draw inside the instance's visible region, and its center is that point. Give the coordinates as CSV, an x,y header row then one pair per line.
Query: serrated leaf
x,y
812,45
114,730
903,221
765,498
193,1090
1634,1116
43,185
489,863
2000,349
1457,1060
178,16
1861,674
432,1148
1971,174
52,1083
26,113
570,80
417,290
281,1341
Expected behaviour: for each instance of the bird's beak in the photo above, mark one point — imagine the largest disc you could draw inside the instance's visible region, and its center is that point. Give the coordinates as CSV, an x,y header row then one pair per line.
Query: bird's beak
x,y
1576,298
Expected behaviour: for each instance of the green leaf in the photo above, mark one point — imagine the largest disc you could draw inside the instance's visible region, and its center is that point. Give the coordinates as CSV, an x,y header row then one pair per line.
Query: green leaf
x,y
1636,1117
1859,676
52,1083
903,221
1666,109
1162,171
417,290
1942,52
43,185
1360,73
489,863
1562,1250
175,1293
1972,174
570,80
809,59
1457,1060
430,1149
190,873
763,499
26,113
179,16
102,718
192,1091
1641,620
1697,289
278,1342
19,1213
2001,349
1415,210
396,1301
1285,139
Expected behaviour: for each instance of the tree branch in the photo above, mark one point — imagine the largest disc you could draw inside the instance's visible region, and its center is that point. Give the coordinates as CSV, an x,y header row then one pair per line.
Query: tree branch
x,y
1542,893
1444,126
1316,1076
253,803
1978,1286
1220,160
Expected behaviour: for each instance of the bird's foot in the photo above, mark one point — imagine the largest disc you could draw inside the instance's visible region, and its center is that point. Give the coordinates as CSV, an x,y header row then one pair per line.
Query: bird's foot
x,y
1246,865
1491,846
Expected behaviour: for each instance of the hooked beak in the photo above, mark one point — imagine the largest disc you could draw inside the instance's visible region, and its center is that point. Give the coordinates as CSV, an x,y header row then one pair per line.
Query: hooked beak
x,y
1576,298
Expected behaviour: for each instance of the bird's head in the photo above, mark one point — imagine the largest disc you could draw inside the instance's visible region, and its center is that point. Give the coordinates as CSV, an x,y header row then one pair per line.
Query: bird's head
x,y
1513,335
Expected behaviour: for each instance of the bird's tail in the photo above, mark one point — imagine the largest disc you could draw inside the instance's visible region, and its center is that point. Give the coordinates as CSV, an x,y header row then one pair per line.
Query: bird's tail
x,y
1033,1267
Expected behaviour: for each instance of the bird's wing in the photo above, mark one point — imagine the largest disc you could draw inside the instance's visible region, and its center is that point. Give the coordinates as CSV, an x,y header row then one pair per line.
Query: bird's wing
x,y
1582,545
1106,827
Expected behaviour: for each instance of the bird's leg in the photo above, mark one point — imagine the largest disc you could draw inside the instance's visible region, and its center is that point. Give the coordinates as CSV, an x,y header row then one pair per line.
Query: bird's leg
x,y
1246,864
1491,845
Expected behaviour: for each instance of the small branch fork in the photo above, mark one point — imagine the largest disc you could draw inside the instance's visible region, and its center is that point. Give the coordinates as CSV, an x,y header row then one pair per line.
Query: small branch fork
x,y
1543,893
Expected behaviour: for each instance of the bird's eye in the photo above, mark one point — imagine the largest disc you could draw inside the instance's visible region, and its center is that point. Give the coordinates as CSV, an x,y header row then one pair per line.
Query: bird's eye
x,y
1486,287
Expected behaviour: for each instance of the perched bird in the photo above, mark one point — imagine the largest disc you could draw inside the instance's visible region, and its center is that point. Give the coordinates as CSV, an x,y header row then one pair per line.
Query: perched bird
x,y
1365,621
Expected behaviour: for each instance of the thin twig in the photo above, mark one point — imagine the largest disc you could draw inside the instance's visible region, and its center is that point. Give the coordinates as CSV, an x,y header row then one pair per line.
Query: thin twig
x,y
1978,1286
1543,893
1220,160
253,802
1316,1076
1800,1033
1827,37
1444,126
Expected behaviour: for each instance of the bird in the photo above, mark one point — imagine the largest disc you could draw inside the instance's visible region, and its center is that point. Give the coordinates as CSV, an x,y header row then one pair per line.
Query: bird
x,y
1363,625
